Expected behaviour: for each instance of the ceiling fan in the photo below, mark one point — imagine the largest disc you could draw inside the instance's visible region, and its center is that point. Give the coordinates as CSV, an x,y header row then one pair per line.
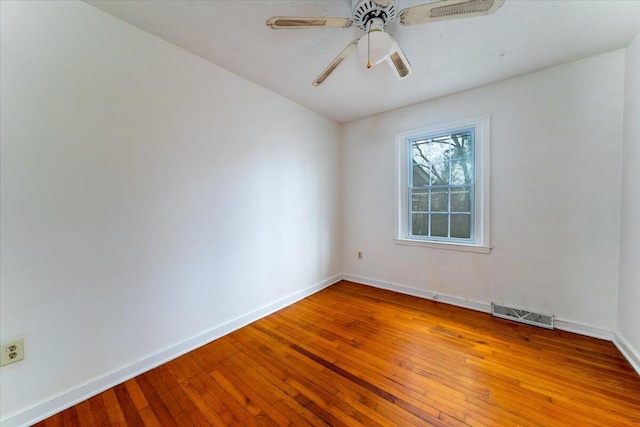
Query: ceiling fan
x,y
372,16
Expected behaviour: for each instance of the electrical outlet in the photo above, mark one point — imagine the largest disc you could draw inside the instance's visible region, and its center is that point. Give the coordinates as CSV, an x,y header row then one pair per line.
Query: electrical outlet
x,y
360,255
11,352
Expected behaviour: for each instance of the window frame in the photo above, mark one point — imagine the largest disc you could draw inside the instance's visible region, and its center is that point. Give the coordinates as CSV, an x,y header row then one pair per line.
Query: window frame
x,y
481,187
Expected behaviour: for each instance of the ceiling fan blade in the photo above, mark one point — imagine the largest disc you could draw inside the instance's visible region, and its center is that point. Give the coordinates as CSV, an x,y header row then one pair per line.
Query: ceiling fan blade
x,y
289,22
351,47
447,9
398,62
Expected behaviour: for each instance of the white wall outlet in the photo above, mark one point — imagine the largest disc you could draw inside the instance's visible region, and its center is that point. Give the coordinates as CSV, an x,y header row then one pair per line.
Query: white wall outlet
x,y
11,352
359,255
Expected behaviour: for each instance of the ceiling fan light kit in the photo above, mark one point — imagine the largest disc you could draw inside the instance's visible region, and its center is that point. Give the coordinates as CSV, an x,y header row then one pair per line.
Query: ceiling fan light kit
x,y
375,46
372,16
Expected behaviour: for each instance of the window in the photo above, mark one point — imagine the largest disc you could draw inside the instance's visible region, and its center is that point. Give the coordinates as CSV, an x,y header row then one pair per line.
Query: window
x,y
443,186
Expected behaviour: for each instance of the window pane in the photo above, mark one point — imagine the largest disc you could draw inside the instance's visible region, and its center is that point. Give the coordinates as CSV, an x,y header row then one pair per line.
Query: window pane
x,y
420,201
431,150
461,172
420,224
461,145
439,225
440,200
460,200
440,173
420,174
461,226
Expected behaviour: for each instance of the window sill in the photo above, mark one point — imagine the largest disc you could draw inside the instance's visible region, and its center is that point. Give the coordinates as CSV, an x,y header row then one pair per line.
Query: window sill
x,y
444,245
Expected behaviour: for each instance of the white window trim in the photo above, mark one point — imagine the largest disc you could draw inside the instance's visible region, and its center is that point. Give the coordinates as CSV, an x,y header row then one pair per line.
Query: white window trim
x,y
482,203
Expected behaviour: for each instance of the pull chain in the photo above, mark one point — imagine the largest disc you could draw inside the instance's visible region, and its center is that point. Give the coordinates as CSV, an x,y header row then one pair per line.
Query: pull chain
x,y
368,49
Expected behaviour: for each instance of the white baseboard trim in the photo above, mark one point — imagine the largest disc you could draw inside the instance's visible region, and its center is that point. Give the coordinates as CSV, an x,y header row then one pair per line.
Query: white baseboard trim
x,y
485,307
67,399
587,330
627,351
447,299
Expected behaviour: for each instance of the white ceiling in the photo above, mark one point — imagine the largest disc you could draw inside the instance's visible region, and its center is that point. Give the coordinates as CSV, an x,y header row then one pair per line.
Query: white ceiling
x,y
447,57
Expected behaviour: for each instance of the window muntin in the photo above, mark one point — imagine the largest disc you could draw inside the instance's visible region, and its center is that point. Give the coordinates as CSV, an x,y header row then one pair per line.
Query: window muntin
x,y
441,186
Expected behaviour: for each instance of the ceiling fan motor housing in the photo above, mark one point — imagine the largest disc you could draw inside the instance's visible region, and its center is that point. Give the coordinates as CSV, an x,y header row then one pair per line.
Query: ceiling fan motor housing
x,y
366,10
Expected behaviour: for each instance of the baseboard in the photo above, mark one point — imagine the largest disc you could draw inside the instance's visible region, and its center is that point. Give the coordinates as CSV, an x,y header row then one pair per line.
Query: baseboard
x,y
582,329
447,299
627,351
485,307
65,400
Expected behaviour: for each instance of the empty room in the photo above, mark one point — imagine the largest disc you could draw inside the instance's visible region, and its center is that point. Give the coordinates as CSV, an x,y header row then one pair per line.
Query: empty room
x,y
320,213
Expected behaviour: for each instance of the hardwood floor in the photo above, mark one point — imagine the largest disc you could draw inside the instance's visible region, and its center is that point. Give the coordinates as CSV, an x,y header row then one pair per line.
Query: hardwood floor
x,y
353,354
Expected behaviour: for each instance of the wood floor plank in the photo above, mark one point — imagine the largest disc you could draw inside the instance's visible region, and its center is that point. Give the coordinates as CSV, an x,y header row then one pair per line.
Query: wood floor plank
x,y
212,413
356,355
270,359
245,388
278,387
311,387
386,375
130,412
85,416
157,405
98,411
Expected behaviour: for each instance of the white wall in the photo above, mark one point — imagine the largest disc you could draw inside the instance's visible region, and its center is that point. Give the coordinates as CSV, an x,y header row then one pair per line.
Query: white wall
x,y
629,292
148,196
556,142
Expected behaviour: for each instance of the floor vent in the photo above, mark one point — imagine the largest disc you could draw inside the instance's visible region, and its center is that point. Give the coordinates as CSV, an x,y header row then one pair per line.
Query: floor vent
x,y
523,316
